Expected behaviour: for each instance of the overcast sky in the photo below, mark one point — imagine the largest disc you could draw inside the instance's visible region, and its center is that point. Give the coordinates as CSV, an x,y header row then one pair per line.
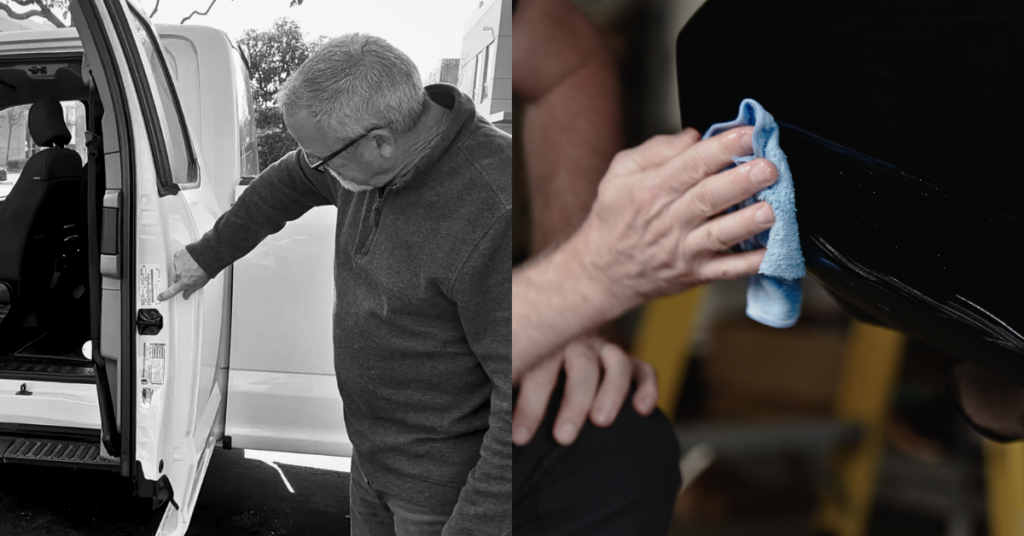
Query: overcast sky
x,y
426,30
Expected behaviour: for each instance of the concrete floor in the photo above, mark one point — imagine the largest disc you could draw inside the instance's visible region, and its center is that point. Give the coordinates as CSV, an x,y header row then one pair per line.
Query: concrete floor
x,y
240,497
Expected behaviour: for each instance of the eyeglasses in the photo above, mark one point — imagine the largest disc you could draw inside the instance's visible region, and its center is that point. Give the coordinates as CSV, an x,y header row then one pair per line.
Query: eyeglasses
x,y
320,165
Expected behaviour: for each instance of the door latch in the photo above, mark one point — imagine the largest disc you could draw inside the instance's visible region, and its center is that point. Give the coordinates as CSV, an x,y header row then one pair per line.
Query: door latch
x,y
149,322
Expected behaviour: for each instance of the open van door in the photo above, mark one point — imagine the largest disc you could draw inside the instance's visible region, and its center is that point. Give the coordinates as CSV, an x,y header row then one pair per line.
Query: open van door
x,y
158,358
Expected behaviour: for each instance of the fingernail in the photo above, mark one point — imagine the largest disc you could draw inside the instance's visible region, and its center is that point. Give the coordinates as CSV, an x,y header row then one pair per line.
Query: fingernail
x,y
603,414
520,435
566,433
764,215
760,175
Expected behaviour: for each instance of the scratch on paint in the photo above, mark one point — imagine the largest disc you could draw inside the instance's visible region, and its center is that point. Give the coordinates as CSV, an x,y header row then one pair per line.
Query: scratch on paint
x,y
998,331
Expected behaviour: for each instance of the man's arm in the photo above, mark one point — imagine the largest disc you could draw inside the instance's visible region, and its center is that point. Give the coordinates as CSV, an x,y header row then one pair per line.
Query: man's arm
x,y
657,227
573,122
481,289
281,193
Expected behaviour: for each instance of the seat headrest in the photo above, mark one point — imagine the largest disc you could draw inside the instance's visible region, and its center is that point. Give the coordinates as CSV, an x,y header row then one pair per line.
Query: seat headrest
x,y
46,123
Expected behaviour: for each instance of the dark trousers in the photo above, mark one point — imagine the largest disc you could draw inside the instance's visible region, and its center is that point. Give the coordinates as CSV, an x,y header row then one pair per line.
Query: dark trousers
x,y
620,480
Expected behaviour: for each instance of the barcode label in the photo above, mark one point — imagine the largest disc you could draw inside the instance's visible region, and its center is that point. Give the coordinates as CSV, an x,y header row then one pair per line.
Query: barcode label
x,y
154,363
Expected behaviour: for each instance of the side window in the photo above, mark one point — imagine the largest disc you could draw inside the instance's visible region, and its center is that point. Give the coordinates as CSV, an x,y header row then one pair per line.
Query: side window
x,y
184,169
250,164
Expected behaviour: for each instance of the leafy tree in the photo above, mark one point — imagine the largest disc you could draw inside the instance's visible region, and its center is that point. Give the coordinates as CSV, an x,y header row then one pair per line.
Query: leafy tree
x,y
56,11
274,54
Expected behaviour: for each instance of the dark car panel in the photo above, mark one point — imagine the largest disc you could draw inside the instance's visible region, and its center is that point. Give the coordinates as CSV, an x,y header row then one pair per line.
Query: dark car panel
x,y
900,124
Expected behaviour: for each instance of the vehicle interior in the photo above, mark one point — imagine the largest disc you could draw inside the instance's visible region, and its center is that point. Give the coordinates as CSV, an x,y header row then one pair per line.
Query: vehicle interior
x,y
45,290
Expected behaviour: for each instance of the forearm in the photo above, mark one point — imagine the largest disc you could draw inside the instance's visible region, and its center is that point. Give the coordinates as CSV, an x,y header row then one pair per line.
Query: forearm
x,y
280,194
570,135
556,298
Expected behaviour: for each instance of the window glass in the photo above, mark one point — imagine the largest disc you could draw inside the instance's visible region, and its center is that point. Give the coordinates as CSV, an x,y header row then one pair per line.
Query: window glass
x,y
478,84
182,160
492,55
246,123
17,145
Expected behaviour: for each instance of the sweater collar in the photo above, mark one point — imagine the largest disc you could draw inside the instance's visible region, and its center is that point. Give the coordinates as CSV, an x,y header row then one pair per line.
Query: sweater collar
x,y
462,111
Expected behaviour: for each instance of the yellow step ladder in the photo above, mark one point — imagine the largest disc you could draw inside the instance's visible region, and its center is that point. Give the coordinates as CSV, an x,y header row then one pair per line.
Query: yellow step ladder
x,y
871,365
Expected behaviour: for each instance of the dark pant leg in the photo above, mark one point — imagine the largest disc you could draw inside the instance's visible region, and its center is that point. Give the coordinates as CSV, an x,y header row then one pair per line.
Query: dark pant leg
x,y
620,480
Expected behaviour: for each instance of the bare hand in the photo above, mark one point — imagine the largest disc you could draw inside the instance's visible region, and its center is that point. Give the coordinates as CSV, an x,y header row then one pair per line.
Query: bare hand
x,y
657,226
587,391
188,277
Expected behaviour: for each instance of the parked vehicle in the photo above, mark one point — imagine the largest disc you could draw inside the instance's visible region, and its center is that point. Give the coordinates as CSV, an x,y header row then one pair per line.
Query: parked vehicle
x,y
94,372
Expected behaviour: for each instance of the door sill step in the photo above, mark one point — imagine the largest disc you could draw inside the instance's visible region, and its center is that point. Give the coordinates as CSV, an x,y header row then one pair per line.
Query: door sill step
x,y
82,454
47,369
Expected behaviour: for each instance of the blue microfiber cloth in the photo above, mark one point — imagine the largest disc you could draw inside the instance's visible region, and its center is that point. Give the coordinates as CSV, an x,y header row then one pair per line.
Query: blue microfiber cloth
x,y
775,293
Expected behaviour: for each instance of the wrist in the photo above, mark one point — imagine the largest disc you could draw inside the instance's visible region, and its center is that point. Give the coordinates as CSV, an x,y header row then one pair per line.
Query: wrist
x,y
590,269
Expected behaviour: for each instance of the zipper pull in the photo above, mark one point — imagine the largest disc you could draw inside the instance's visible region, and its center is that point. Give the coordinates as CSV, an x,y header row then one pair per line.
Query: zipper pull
x,y
377,205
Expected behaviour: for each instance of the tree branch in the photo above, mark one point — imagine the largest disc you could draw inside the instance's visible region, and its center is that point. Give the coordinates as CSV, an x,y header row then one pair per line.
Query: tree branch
x,y
194,12
156,7
43,12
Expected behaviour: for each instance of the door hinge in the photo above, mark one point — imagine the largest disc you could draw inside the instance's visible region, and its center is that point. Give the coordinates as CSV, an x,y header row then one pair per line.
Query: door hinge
x,y
149,322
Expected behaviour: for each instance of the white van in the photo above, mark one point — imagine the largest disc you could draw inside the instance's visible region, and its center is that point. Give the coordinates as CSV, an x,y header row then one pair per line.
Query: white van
x,y
135,140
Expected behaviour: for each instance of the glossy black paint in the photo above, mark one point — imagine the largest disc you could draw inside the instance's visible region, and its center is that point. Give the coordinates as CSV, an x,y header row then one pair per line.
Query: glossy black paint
x,y
901,125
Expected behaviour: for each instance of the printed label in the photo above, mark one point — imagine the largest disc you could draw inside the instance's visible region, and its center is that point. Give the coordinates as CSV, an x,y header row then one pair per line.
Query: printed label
x,y
150,284
153,363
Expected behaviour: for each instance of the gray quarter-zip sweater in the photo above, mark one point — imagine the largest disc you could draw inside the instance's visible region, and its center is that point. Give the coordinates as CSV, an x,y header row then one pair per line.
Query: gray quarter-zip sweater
x,y
422,313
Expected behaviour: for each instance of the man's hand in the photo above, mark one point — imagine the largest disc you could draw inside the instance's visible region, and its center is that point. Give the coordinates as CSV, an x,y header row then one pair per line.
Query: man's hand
x,y
657,226
188,277
587,391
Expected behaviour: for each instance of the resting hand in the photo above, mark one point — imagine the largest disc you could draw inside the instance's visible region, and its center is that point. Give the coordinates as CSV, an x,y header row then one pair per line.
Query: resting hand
x,y
587,390
188,277
657,226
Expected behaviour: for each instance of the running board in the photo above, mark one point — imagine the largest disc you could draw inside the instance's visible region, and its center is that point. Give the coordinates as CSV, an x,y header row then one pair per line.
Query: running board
x,y
61,453
47,369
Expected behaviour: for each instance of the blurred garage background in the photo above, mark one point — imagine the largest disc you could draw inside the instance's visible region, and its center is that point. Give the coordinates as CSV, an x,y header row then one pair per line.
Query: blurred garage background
x,y
829,427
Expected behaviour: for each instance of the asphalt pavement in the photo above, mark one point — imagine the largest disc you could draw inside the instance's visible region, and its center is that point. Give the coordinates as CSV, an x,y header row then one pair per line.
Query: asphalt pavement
x,y
241,496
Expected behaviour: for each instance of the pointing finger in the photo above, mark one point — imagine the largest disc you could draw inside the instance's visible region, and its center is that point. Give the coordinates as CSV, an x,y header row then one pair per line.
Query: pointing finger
x,y
171,291
654,152
705,159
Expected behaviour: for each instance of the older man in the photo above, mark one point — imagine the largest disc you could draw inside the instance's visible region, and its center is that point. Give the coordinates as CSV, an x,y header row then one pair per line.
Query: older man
x,y
422,313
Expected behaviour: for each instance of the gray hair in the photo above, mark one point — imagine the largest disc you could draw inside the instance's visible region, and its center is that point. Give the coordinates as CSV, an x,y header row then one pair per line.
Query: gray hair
x,y
355,82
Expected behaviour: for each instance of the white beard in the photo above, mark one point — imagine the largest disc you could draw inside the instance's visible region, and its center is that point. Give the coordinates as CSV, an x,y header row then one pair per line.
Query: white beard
x,y
347,184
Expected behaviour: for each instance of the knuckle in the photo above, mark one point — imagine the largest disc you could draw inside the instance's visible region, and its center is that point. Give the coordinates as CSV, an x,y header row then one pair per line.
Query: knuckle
x,y
704,199
713,237
726,272
700,163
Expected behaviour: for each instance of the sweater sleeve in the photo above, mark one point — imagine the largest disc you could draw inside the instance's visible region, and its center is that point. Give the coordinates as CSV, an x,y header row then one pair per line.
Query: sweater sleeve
x,y
483,292
281,193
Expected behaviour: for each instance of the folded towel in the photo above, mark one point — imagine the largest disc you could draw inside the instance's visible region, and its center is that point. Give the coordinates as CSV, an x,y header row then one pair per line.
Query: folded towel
x,y
774,295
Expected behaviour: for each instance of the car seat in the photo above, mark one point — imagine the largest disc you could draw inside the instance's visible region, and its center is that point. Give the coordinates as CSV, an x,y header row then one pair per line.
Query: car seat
x,y
40,212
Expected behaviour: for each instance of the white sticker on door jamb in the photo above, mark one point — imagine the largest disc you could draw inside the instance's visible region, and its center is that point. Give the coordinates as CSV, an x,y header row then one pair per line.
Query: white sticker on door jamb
x,y
150,284
154,363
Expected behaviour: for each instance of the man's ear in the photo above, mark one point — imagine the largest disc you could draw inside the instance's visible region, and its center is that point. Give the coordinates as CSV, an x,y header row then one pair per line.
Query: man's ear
x,y
384,143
